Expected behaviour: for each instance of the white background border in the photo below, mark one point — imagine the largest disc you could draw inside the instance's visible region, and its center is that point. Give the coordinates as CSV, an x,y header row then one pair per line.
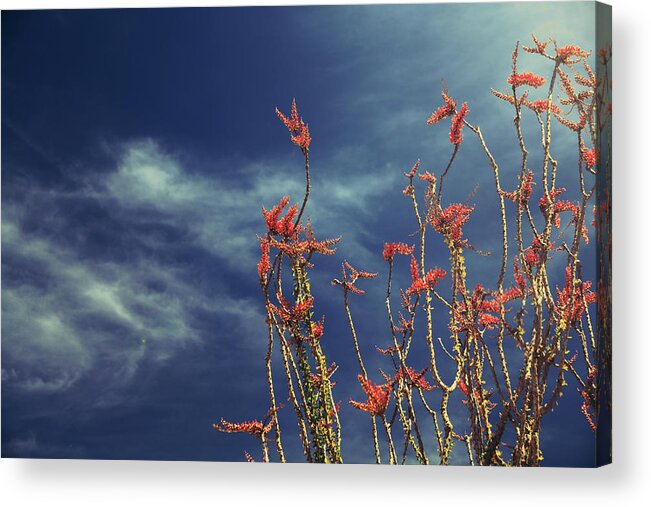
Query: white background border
x,y
626,482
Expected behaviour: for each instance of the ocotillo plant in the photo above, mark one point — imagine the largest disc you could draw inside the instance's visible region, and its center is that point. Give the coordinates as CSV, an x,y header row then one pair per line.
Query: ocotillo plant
x,y
508,348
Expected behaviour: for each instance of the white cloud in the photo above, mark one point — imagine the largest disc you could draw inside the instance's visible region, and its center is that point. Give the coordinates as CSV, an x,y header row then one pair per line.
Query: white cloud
x,y
65,313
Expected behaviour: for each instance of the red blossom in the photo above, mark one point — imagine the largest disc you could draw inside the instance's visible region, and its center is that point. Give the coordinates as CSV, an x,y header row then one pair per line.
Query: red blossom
x,y
450,221
295,247
299,132
462,387
588,82
532,257
302,139
409,189
431,280
413,378
540,46
444,111
255,428
291,314
390,249
264,265
457,124
509,295
523,194
561,206
428,177
540,106
405,325
570,305
509,98
284,226
543,203
534,254
317,328
414,170
388,351
378,397
292,123
488,320
526,79
590,157
566,52
479,312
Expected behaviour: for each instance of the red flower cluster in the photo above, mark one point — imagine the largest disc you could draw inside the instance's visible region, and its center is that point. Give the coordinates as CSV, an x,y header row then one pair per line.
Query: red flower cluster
x,y
317,328
289,313
264,265
298,247
543,203
414,170
485,307
534,254
378,397
569,51
463,387
540,46
450,221
457,124
488,321
559,207
509,98
540,106
388,351
444,111
509,294
414,379
573,293
572,125
523,194
590,157
430,281
481,309
255,428
390,249
526,79
428,177
299,132
284,226
409,189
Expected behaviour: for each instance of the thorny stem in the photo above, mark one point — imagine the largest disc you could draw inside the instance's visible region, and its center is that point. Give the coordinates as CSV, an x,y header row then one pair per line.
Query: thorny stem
x,y
557,321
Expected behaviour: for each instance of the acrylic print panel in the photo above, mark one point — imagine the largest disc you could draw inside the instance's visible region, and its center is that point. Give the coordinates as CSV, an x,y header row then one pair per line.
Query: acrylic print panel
x,y
352,234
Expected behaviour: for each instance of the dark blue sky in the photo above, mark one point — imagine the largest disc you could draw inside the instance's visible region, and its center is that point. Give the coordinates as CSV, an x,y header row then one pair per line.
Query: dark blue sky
x,y
137,149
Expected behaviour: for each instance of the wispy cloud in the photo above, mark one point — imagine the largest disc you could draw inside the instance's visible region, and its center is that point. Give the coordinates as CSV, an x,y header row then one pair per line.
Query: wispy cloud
x,y
68,313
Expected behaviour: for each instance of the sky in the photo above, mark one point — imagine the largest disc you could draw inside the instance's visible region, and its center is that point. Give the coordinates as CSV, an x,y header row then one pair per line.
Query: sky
x,y
138,147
